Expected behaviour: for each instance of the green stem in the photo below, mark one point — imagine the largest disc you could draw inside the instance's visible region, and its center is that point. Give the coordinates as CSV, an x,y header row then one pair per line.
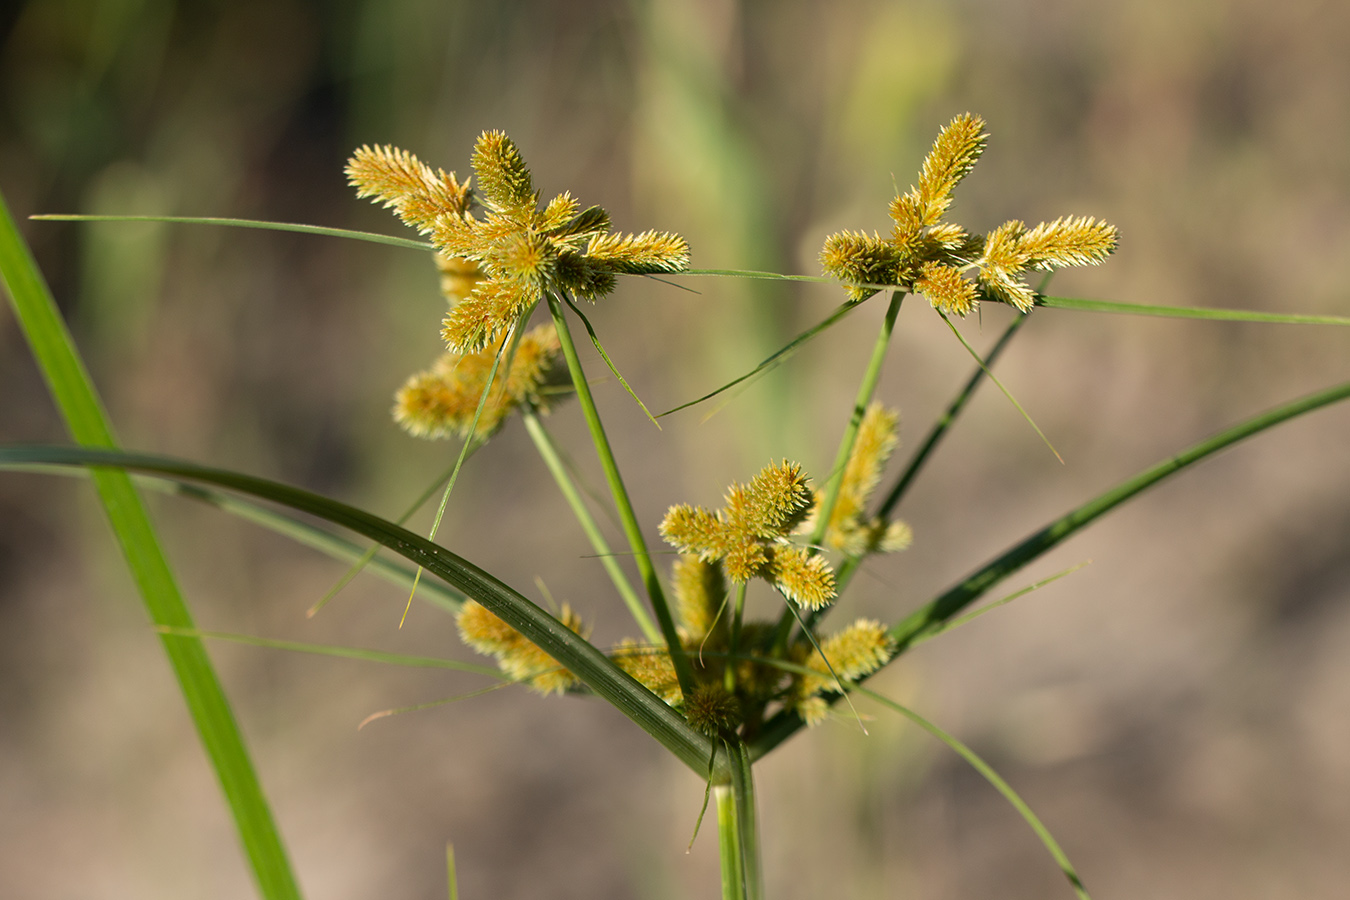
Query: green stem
x,y
835,481
729,843
933,616
938,432
747,822
548,451
737,617
683,670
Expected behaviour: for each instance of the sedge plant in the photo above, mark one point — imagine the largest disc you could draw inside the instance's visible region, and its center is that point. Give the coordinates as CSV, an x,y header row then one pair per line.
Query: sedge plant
x,y
718,689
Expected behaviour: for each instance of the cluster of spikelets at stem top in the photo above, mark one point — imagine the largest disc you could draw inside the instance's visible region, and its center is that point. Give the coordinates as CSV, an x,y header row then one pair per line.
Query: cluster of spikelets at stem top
x,y
738,667
927,255
520,250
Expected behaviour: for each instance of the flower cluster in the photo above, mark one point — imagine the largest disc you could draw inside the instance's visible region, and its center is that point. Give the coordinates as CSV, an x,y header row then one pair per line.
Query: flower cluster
x,y
519,250
850,531
930,256
444,399
519,658
749,535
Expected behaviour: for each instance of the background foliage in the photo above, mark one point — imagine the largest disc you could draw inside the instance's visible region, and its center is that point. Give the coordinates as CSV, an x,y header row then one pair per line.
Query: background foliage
x,y
1174,710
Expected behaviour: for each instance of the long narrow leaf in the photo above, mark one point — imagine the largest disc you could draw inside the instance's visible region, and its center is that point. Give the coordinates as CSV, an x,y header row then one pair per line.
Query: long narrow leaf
x,y
1185,312
932,616
986,770
74,394
586,662
251,223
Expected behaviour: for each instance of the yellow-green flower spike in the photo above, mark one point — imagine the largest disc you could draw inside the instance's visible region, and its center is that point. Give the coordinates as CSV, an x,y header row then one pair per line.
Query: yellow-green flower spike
x,y
517,656
418,194
514,250
748,535
444,399
712,710
853,653
700,592
652,667
927,255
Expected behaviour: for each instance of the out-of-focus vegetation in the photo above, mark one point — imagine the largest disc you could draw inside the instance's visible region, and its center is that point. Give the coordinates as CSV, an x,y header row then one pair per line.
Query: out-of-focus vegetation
x,y
1175,710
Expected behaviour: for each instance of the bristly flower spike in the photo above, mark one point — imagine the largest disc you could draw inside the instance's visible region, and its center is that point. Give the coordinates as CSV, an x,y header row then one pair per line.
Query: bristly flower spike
x,y
927,255
749,535
853,653
519,250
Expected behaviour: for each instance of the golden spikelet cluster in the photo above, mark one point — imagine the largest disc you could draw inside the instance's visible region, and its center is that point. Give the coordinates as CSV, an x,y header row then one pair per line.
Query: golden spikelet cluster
x,y
518,657
712,709
652,667
749,535
519,250
927,255
853,653
850,531
443,400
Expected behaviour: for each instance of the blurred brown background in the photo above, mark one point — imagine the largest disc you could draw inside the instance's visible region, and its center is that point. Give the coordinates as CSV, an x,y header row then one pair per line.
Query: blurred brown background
x,y
1178,712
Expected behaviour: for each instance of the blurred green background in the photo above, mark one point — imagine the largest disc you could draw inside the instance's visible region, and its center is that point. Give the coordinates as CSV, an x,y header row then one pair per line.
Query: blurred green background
x,y
1177,711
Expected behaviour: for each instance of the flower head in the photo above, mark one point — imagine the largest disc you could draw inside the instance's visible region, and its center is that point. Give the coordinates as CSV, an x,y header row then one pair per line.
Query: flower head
x,y
930,256
749,535
519,249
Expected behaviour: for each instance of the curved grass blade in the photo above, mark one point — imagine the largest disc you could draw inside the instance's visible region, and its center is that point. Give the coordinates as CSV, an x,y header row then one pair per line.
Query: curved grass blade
x,y
1007,393
610,363
979,765
1003,601
358,653
432,704
367,557
776,358
591,666
369,236
1184,312
933,615
436,593
88,424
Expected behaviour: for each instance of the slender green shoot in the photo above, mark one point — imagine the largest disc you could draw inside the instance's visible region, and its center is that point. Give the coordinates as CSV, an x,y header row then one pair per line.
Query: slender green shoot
x,y
370,554
1007,393
548,452
979,765
249,223
747,820
946,420
82,409
1186,312
835,480
436,593
972,616
627,517
777,358
357,653
610,363
729,844
451,881
431,704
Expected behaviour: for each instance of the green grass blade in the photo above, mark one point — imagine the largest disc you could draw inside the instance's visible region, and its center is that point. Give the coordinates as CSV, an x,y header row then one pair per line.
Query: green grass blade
x,y
775,359
357,653
370,236
607,680
1185,312
1004,601
979,765
609,362
632,530
934,615
339,548
548,451
1007,393
729,844
79,404
941,426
